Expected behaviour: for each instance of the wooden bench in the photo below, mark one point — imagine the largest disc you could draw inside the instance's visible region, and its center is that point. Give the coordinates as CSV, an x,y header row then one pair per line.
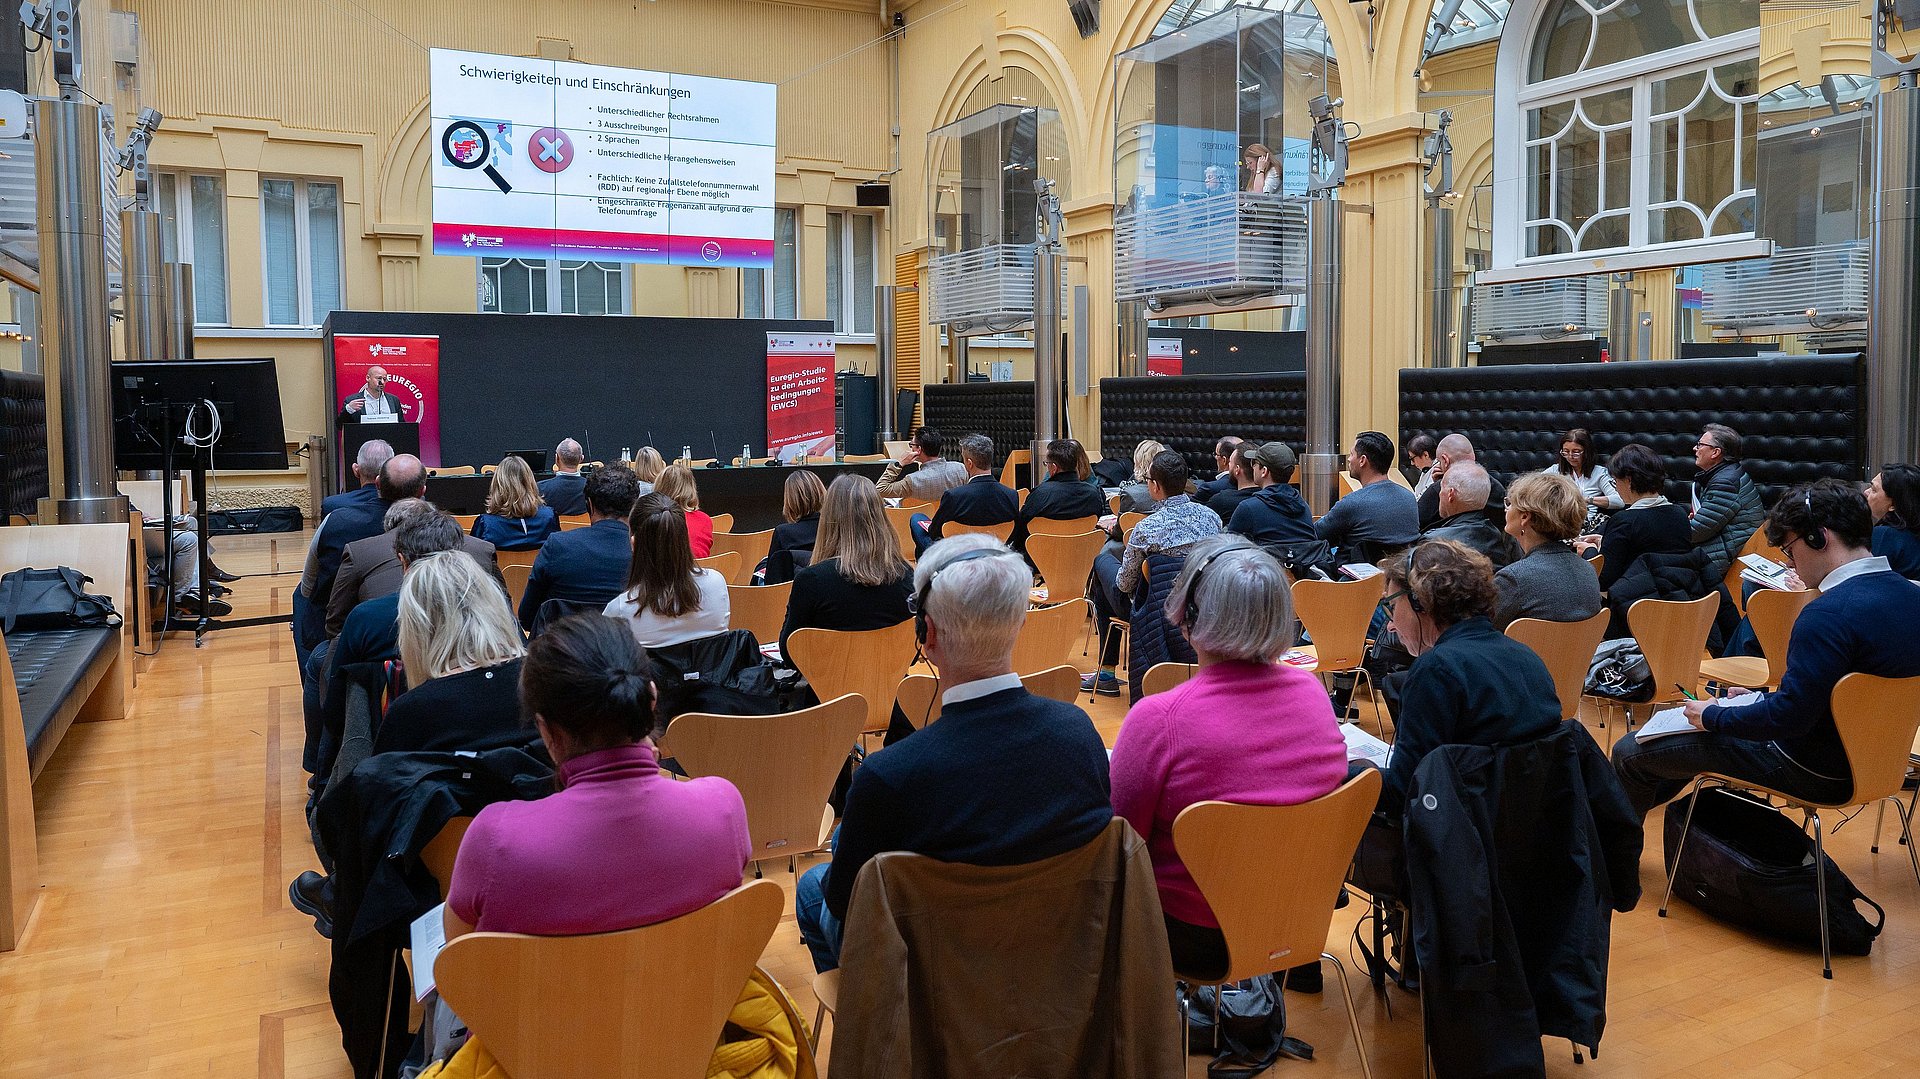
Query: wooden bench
x,y
48,680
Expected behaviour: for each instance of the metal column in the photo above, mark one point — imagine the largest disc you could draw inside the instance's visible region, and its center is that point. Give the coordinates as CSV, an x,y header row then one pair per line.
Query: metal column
x,y
76,327
1047,370
1893,352
141,272
885,367
1320,465
1132,339
958,345
1440,348
178,290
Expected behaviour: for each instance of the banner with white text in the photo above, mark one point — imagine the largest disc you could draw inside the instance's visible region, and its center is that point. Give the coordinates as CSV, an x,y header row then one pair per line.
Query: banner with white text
x,y
412,366
799,395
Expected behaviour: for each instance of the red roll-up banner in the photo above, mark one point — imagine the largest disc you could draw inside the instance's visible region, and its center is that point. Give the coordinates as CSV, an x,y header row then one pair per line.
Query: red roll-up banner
x,y
799,395
1165,356
412,364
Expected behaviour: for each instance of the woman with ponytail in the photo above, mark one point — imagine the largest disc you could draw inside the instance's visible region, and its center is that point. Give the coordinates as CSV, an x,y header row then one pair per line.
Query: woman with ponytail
x,y
617,845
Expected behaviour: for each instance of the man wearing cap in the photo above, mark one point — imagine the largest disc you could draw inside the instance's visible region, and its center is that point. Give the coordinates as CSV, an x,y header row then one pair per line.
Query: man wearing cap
x,y
1276,517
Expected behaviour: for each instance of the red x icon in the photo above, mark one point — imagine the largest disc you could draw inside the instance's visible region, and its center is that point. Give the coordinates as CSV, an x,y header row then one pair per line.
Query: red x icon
x,y
550,149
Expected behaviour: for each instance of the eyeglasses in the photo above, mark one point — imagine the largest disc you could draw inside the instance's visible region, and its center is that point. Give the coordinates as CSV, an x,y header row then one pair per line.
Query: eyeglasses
x,y
1705,446
1787,550
1394,597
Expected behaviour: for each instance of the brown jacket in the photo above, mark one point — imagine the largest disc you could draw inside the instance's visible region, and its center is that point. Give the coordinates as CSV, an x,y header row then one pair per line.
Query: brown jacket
x,y
1054,970
370,569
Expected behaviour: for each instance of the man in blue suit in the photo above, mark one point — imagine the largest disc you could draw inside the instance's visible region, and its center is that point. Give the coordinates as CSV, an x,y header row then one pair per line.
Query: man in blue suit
x,y
373,456
566,491
982,500
587,565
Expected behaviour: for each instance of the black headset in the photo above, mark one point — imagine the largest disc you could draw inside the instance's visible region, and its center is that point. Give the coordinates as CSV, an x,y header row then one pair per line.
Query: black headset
x,y
918,602
1192,611
1413,597
1815,540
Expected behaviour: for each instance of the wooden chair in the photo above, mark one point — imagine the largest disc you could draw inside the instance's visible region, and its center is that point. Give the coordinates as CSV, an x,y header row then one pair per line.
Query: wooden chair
x,y
901,518
1164,676
443,849
1113,504
1128,520
1756,544
761,609
1672,635
920,701
868,662
488,470
1567,649
722,522
895,448
503,559
1771,612
553,1007
726,564
1065,562
466,521
1272,875
752,547
571,521
516,576
1336,615
1020,496
1015,458
1001,531
1047,637
1877,719
1073,526
784,767
863,458
453,470
1348,484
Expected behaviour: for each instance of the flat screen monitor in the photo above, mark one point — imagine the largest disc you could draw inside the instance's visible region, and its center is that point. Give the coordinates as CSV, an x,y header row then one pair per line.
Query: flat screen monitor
x,y
152,396
535,459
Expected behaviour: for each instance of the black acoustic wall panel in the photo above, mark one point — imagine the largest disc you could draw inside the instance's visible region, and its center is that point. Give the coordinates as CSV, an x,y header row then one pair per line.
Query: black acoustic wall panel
x,y
1800,417
23,441
1190,413
1003,411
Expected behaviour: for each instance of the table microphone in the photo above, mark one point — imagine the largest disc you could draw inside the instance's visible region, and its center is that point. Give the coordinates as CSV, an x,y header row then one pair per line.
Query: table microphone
x,y
715,463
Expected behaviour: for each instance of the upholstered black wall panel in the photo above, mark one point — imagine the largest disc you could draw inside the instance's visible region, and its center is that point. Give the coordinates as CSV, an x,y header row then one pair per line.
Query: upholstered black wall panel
x,y
1190,413
23,440
1799,417
1003,411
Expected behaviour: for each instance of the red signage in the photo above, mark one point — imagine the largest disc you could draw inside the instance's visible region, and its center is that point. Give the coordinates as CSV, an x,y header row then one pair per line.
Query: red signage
x,y
799,395
412,364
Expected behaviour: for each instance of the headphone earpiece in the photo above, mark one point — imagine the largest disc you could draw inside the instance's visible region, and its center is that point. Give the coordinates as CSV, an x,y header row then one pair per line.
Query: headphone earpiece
x,y
1816,540
1191,613
918,603
1413,597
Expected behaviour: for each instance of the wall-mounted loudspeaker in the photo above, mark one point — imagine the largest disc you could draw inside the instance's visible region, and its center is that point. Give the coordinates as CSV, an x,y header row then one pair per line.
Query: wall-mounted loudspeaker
x,y
874,193
1086,16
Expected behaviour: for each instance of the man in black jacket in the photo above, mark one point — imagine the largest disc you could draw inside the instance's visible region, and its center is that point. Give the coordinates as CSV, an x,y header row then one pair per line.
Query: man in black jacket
x,y
1275,516
565,492
1456,449
1223,479
587,565
982,500
1243,485
1463,519
1065,495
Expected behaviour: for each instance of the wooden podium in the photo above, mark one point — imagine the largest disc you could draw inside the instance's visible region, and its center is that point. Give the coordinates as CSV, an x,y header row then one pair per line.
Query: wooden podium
x,y
402,435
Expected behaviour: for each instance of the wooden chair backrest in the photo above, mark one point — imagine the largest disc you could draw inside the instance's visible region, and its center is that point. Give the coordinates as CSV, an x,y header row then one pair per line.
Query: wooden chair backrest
x,y
1567,649
503,559
901,519
1129,519
864,458
1071,526
1113,504
466,521
1060,683
646,1002
1001,531
725,563
1877,718
784,766
1164,676
1348,484
895,448
1335,614
571,521
1756,544
1021,495
453,470
147,496
443,850
752,547
19,848
868,662
1065,562
1272,873
1772,612
1049,634
1015,458
722,522
919,693
516,576
1672,635
762,609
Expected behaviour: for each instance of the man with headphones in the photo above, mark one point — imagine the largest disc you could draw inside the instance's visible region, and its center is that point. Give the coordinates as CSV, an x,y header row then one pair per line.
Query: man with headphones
x,y
1002,778
1787,740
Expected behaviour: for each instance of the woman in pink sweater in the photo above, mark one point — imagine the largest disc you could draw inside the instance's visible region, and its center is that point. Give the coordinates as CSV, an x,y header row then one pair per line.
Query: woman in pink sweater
x,y
1246,728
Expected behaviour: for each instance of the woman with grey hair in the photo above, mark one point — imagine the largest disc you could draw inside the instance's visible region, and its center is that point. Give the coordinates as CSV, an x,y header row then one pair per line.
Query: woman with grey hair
x,y
1245,728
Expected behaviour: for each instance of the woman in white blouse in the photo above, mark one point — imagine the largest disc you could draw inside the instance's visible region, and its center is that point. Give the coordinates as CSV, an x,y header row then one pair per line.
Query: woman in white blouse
x,y
1578,463
668,599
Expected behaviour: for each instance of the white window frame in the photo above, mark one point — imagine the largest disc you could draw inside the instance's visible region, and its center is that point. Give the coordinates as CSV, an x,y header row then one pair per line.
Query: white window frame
x,y
554,269
767,274
183,232
844,316
1515,97
303,250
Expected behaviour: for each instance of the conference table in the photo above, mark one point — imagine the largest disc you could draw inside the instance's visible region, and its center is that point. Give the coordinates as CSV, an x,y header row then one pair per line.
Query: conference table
x,y
752,495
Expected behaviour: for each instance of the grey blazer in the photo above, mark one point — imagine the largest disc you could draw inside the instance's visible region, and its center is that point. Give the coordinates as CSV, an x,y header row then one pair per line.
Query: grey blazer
x,y
1552,583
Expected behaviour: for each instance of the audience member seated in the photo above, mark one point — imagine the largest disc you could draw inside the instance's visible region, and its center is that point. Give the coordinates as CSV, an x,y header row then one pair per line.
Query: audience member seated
x,y
1648,525
1173,529
1549,581
1065,494
799,528
1787,740
1004,777
676,482
565,492
923,475
516,519
1378,518
1578,463
647,466
370,568
1419,467
461,650
1463,499
1469,684
1276,517
182,577
1222,480
982,500
858,579
1135,495
1241,484
618,844
1726,503
668,600
402,476
587,566
1455,449
1894,498
1246,728
374,453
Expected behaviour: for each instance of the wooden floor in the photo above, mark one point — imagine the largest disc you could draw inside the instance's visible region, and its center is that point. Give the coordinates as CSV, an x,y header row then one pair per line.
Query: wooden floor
x,y
163,943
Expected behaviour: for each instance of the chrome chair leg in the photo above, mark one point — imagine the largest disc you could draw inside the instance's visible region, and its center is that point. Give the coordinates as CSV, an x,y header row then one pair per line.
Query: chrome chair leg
x,y
1906,834
1353,1017
1820,884
1693,803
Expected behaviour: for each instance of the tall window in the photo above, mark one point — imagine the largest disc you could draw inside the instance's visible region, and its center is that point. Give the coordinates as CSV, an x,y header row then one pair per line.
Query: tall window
x,y
1636,127
552,286
851,254
193,229
771,293
300,243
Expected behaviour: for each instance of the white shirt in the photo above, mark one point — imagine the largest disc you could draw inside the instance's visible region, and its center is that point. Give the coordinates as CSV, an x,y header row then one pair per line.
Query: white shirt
x,y
1859,567
980,687
655,630
376,402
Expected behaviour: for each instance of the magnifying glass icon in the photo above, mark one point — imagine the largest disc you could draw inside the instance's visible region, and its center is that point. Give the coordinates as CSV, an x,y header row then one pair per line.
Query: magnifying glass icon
x,y
466,146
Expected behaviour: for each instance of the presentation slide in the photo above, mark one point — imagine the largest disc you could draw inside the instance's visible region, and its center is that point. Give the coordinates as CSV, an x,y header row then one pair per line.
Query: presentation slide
x,y
543,159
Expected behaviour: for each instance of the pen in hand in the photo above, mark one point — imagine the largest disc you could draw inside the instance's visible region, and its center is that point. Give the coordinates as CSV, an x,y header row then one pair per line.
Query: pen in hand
x,y
1684,693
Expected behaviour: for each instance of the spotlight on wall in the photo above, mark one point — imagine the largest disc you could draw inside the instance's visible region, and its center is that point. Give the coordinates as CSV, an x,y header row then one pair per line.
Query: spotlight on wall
x,y
1086,16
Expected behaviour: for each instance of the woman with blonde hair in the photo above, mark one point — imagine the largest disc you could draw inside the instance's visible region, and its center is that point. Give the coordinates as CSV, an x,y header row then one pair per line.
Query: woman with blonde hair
x,y
857,579
800,529
461,648
516,518
1134,496
1545,511
676,483
648,464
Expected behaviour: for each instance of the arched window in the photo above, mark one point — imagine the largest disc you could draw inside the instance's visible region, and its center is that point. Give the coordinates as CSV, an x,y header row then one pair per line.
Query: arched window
x,y
1624,126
